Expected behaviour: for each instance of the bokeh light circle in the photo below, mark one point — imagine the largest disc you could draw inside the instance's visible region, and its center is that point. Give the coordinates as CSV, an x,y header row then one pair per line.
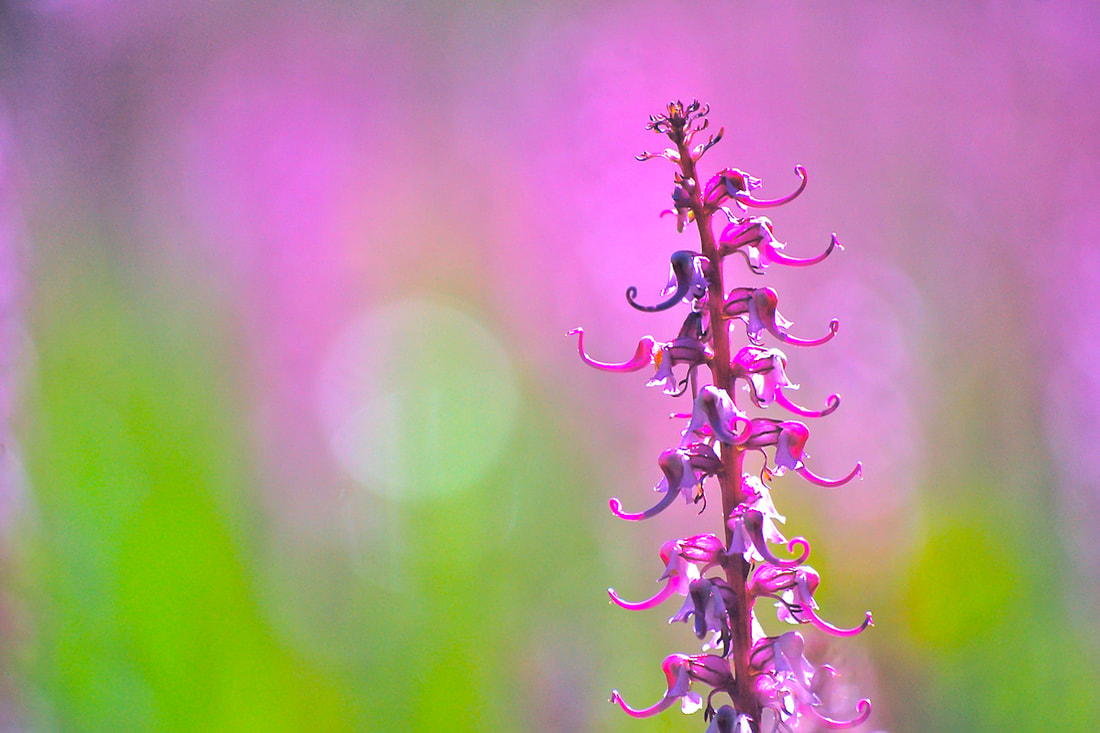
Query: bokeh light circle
x,y
417,399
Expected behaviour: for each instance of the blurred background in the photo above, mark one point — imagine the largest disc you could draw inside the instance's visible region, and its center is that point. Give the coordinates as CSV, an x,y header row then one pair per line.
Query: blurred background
x,y
292,435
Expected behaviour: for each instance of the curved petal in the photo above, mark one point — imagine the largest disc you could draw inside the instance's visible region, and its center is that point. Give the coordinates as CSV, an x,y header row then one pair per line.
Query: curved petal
x,y
813,478
754,523
663,704
773,329
661,596
747,200
683,269
776,255
664,503
863,711
643,355
807,610
833,403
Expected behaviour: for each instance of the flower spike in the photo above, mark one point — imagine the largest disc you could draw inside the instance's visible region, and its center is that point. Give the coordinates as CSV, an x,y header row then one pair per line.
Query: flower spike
x,y
722,577
687,280
643,355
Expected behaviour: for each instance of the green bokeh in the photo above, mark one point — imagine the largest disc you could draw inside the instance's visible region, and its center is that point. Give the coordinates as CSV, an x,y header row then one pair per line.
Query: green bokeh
x,y
984,608
159,603
136,563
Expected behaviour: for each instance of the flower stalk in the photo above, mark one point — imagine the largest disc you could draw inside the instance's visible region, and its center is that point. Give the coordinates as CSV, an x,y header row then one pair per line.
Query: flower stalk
x,y
769,683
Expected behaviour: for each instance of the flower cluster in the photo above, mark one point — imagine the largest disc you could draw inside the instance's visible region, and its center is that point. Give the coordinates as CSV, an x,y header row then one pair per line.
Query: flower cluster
x,y
770,683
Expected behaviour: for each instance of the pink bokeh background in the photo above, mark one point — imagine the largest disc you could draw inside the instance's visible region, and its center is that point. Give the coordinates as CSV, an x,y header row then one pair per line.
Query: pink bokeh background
x,y
311,167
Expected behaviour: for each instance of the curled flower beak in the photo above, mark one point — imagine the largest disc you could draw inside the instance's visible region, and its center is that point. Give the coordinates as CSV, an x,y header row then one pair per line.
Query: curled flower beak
x,y
757,308
658,598
687,280
643,355
682,559
794,590
789,438
831,405
813,478
684,470
863,711
750,524
754,239
743,197
807,580
765,372
680,671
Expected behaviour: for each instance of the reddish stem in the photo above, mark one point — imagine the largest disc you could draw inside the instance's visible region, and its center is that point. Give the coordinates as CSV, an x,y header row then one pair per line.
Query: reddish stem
x,y
729,478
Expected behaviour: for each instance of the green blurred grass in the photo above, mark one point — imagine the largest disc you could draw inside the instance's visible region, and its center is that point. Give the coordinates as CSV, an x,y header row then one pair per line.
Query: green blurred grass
x,y
136,561
148,573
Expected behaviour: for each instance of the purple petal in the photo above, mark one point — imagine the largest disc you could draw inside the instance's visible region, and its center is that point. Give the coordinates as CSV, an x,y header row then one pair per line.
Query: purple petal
x,y
661,596
813,478
777,256
746,200
833,403
643,355
863,708
663,704
664,503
